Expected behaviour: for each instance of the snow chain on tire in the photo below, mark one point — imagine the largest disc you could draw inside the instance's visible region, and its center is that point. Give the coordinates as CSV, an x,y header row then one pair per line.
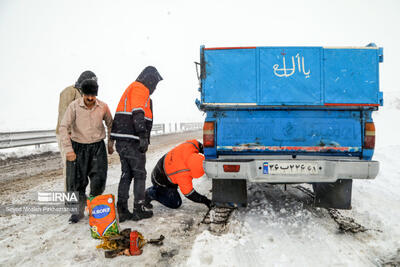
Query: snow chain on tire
x,y
217,218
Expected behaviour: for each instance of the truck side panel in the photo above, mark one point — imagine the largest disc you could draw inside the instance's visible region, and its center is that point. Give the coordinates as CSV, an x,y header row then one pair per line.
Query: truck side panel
x,y
290,76
230,76
355,79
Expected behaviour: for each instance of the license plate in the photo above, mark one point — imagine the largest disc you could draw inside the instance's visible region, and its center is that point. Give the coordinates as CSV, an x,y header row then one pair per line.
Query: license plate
x,y
291,168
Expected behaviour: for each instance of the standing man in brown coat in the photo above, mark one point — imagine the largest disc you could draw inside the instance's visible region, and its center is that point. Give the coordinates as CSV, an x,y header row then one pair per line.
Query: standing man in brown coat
x,y
68,95
82,136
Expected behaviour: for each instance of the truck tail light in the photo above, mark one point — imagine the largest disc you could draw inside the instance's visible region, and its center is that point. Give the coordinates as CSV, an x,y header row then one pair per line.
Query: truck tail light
x,y
369,135
209,134
231,168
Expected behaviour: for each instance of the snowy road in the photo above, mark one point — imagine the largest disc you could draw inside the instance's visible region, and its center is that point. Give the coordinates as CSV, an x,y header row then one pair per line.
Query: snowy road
x,y
48,239
278,228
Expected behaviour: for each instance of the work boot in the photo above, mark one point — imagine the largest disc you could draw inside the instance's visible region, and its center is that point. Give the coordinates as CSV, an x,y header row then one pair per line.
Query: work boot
x,y
123,212
76,217
140,213
148,199
147,204
81,211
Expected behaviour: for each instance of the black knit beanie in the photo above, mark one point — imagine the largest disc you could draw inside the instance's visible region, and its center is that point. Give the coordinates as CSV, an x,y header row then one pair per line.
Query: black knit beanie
x,y
89,87
85,76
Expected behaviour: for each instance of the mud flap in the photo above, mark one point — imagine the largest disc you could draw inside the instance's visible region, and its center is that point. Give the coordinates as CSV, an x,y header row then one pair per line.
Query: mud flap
x,y
229,192
333,195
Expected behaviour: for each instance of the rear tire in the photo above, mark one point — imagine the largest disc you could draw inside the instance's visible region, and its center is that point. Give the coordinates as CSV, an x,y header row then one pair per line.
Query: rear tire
x,y
229,192
335,195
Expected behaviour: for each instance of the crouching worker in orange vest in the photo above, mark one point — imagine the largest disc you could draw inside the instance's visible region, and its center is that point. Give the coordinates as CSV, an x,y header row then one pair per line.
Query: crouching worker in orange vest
x,y
177,169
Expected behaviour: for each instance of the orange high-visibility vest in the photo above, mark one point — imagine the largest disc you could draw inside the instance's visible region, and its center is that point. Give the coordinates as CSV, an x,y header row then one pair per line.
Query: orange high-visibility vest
x,y
176,166
136,98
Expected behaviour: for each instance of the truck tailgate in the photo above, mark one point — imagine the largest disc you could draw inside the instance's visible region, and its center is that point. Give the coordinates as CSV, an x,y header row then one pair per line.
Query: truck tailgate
x,y
331,132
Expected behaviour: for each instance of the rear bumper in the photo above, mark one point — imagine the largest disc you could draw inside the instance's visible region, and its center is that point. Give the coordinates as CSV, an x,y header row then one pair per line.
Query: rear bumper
x,y
292,171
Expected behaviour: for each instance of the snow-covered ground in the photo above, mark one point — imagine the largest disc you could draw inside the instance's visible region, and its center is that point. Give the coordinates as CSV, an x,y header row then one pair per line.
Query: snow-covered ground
x,y
19,152
278,228
49,239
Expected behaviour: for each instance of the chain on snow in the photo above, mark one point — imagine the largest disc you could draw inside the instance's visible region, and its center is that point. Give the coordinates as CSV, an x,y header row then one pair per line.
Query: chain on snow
x,y
220,216
346,224
217,215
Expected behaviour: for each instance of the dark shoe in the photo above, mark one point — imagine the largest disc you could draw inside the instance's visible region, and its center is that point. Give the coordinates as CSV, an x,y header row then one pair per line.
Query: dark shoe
x,y
76,218
148,205
123,212
140,213
81,211
147,200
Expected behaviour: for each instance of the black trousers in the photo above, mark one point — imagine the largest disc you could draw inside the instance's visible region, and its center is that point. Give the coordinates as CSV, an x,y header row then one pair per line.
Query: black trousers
x,y
167,196
163,190
91,163
133,166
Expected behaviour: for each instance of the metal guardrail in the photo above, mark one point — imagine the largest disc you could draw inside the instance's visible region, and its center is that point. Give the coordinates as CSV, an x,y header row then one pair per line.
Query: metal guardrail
x,y
188,126
158,128
30,138
27,138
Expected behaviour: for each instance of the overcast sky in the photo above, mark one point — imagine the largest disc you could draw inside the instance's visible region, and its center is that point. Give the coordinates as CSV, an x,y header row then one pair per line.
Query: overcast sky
x,y
46,44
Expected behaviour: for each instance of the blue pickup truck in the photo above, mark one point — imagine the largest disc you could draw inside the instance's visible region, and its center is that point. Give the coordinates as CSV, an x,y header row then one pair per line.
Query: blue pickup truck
x,y
287,115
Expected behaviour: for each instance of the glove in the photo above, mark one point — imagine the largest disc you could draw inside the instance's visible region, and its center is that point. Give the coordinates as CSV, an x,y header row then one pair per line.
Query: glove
x,y
208,203
196,197
201,148
143,144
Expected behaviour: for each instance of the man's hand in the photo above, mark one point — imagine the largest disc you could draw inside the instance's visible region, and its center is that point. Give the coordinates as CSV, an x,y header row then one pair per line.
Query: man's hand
x,y
143,144
110,147
71,156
